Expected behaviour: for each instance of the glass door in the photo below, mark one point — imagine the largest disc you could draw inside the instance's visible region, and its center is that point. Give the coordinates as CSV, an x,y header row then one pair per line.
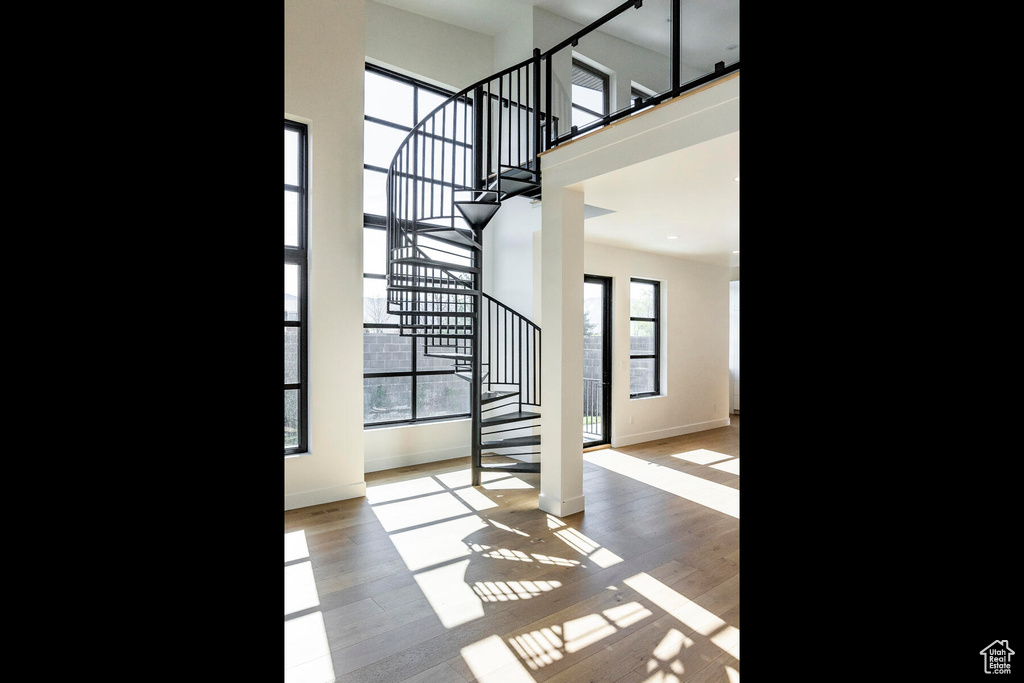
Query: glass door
x,y
597,360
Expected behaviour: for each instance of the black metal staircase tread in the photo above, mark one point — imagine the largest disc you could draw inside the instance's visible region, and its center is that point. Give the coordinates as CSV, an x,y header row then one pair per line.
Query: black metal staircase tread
x,y
478,213
454,236
492,396
512,442
461,291
510,187
512,467
431,263
411,320
453,356
519,173
509,417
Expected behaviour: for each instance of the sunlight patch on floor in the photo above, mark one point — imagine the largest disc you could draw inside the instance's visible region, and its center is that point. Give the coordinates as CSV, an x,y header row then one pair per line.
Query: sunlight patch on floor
x,y
698,619
579,633
383,493
542,647
299,588
295,547
504,554
507,528
701,491
452,600
491,660
557,561
419,511
503,591
600,555
319,670
702,456
506,483
436,543
628,614
307,651
305,639
730,466
475,499
460,478
538,648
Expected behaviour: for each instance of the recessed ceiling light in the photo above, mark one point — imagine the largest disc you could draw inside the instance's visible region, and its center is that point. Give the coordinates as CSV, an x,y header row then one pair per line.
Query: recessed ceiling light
x,y
673,237
736,252
737,179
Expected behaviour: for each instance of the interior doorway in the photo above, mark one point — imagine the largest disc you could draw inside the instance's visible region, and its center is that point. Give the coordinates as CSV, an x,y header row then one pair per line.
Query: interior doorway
x,y
597,360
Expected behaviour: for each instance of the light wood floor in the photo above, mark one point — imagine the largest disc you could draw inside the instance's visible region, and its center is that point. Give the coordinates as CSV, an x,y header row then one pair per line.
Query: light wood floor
x,y
430,580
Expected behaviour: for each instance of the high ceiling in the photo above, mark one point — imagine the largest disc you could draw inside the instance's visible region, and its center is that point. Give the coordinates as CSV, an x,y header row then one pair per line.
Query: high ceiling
x,y
690,194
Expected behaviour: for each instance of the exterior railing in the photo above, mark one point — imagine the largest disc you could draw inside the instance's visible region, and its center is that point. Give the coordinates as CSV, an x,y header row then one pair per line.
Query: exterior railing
x,y
511,351
593,407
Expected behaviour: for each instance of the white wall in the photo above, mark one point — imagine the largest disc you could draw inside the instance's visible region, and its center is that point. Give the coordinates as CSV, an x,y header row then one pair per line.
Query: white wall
x,y
508,254
626,61
324,88
439,53
695,344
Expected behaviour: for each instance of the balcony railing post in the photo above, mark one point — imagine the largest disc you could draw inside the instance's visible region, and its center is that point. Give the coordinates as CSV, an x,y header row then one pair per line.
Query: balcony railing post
x,y
676,21
478,138
547,105
536,113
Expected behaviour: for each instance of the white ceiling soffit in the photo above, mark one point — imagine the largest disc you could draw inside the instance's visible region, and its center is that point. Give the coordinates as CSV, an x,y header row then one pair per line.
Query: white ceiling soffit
x,y
691,194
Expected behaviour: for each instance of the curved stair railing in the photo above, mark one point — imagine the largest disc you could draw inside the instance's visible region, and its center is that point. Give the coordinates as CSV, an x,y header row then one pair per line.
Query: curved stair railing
x,y
446,180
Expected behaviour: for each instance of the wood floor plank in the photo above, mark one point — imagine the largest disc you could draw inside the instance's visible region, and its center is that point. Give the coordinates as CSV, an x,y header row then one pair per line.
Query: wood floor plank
x,y
431,580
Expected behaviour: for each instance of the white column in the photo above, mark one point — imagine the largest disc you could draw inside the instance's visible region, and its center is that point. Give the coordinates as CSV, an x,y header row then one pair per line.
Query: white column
x,y
561,472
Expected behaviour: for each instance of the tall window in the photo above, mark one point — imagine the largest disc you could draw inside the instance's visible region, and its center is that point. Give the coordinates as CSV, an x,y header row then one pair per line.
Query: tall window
x,y
401,384
296,403
590,94
644,338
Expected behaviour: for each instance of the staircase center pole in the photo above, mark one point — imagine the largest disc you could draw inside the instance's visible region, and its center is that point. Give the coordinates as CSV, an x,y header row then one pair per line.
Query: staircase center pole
x,y
476,385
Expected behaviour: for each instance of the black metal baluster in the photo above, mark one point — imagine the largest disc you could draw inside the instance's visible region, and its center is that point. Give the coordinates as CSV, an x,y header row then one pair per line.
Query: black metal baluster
x,y
547,100
675,45
444,143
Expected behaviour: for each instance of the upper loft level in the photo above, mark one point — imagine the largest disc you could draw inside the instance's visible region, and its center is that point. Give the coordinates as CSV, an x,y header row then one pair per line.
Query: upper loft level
x,y
582,64
483,144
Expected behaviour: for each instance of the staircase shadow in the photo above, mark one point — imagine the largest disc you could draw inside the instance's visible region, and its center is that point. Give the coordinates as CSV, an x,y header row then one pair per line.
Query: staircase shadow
x,y
553,600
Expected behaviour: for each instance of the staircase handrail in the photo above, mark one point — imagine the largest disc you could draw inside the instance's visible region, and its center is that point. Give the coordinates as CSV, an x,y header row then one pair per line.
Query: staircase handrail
x,y
464,93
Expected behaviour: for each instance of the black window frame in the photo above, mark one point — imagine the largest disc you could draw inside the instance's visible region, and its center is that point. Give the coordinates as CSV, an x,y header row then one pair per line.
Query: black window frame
x,y
605,89
378,222
298,255
656,307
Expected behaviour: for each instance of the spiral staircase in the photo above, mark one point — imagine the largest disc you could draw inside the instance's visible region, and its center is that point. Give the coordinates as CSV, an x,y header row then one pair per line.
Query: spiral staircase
x,y
448,178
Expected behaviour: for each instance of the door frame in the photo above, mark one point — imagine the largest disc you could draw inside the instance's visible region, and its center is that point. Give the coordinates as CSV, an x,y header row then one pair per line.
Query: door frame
x,y
606,358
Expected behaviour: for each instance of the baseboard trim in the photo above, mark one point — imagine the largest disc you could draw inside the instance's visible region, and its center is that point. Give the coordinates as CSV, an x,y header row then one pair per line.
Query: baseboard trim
x,y
396,461
644,437
560,508
293,501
